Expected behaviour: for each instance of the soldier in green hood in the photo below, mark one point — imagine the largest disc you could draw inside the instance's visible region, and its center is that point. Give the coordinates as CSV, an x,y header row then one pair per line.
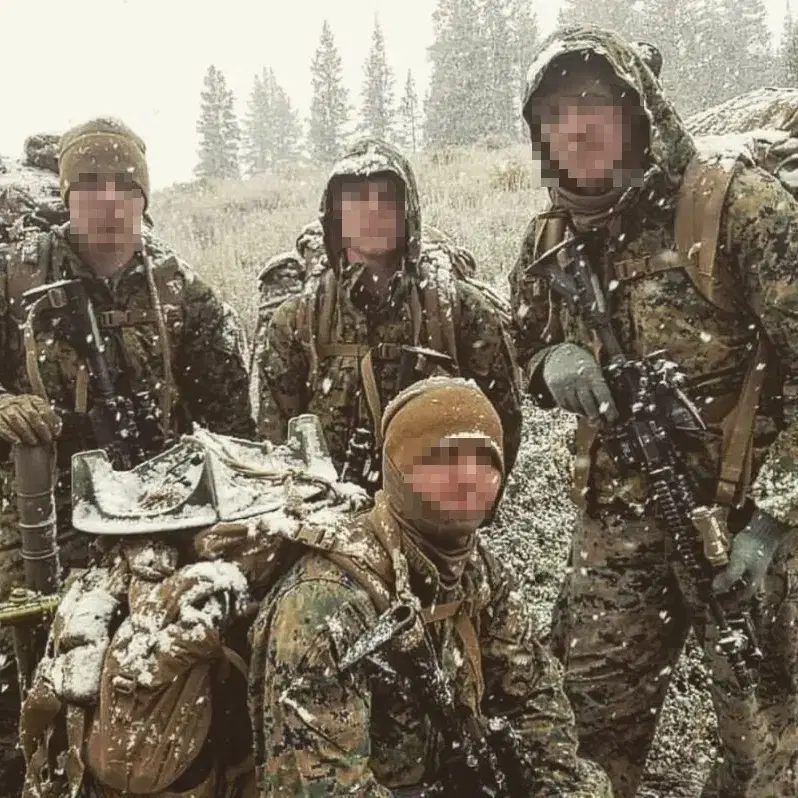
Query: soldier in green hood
x,y
385,309
696,254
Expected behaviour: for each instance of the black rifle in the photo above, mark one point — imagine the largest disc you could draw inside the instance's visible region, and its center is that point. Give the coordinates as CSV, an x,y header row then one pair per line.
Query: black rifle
x,y
363,460
652,410
112,417
479,759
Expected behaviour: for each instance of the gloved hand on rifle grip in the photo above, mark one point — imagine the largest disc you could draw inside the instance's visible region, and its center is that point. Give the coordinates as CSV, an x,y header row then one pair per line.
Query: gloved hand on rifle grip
x,y
28,420
752,552
576,384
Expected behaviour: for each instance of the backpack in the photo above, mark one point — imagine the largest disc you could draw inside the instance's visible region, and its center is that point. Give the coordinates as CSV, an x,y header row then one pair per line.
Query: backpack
x,y
306,271
699,209
30,196
144,679
30,193
762,124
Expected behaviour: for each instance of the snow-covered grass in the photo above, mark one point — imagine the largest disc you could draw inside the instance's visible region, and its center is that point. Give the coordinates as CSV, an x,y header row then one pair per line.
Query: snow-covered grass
x,y
483,199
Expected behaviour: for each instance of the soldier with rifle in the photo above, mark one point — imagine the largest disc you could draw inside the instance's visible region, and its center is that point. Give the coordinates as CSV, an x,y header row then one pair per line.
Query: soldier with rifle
x,y
656,300
382,308
396,658
109,341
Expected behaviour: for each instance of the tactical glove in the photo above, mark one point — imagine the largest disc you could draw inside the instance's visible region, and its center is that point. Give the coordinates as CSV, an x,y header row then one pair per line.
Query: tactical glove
x,y
576,384
27,419
752,552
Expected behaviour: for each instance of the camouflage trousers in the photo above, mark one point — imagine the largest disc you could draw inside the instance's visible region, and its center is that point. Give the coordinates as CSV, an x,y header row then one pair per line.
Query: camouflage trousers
x,y
619,627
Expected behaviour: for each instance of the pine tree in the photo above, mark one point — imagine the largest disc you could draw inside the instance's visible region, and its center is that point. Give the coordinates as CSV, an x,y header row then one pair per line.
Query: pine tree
x,y
526,36
409,117
217,128
684,31
329,107
377,115
500,108
286,125
272,131
257,149
523,45
742,30
620,16
788,50
454,107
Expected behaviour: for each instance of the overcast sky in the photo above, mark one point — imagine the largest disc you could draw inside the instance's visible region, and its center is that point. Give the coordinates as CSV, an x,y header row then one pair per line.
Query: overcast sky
x,y
65,61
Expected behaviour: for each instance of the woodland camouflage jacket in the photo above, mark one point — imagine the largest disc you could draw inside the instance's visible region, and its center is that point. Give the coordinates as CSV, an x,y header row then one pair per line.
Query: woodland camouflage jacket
x,y
284,364
208,381
365,732
757,258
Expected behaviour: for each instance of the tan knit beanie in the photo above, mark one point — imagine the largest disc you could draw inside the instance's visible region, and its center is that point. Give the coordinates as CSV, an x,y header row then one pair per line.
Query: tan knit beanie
x,y
431,410
103,146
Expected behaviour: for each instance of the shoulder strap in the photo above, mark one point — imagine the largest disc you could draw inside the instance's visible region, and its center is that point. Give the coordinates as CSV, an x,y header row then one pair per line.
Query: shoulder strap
x,y
439,301
699,211
28,268
315,319
549,230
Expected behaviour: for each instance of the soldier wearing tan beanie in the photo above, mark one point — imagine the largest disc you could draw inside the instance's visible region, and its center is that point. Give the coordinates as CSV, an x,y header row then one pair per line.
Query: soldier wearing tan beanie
x,y
340,698
102,146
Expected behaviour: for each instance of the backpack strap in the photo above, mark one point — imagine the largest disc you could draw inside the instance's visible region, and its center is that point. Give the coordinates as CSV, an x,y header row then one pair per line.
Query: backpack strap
x,y
30,267
550,228
699,214
698,218
381,590
699,211
439,302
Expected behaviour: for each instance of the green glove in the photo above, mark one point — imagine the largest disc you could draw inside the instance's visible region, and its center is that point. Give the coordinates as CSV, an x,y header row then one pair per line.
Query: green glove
x,y
752,552
576,384
28,420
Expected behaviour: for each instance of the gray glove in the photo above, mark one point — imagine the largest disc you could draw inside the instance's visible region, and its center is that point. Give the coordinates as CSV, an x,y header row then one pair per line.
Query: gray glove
x,y
752,552
27,419
576,384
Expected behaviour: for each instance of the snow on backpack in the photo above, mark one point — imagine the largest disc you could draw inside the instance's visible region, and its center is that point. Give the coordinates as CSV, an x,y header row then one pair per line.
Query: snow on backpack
x,y
760,125
30,198
143,686
306,271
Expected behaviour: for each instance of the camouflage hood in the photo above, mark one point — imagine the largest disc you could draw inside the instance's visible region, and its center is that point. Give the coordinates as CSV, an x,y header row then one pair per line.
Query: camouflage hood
x,y
366,158
671,146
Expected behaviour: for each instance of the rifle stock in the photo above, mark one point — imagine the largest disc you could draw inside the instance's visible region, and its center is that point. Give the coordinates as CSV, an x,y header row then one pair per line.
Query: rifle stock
x,y
112,416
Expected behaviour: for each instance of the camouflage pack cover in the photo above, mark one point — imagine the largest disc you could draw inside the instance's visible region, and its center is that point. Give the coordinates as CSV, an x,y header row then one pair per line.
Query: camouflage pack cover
x,y
30,198
761,124
157,629
773,108
208,479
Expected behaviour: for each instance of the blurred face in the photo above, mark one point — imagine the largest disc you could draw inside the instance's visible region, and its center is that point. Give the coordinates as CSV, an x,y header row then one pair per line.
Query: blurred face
x,y
586,136
105,213
372,215
459,479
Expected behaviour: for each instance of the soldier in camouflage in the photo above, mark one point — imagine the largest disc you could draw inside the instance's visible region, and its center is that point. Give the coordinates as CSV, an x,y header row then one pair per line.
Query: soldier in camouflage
x,y
339,349
172,346
330,721
615,155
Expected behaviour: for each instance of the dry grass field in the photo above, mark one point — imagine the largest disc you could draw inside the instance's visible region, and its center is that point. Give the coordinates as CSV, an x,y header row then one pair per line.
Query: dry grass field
x,y
227,230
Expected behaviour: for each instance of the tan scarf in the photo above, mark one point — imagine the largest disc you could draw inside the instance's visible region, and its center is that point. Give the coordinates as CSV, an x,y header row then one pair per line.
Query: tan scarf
x,y
589,211
445,544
